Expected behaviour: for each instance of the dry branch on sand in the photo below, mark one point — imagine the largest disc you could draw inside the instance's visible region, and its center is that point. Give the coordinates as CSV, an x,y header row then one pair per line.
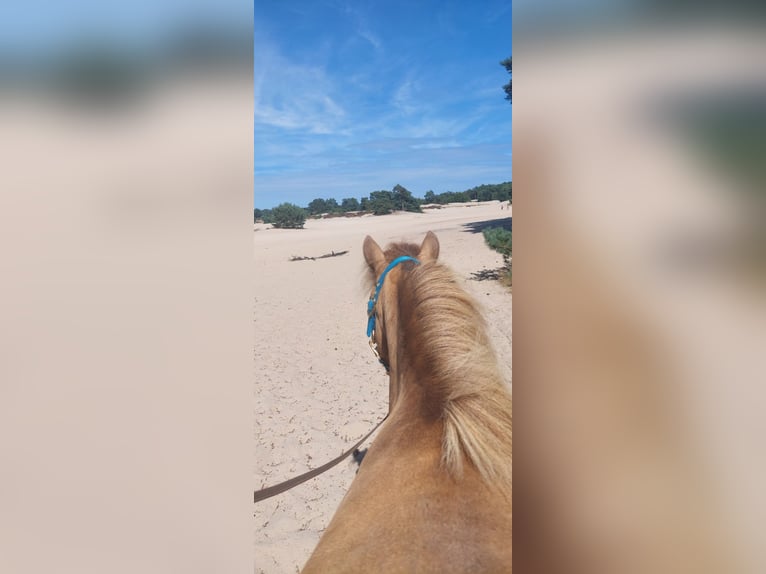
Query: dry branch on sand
x,y
326,255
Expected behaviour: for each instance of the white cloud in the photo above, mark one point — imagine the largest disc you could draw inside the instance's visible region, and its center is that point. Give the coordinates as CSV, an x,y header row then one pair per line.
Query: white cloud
x,y
370,37
292,96
361,27
403,98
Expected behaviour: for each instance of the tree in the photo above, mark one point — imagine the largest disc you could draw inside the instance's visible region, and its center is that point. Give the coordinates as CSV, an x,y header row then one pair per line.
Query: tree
x,y
349,204
288,216
381,202
505,192
485,193
453,197
317,206
489,191
332,205
364,204
430,197
507,64
404,200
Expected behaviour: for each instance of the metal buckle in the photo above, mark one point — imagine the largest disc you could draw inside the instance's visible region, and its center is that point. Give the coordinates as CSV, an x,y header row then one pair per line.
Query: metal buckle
x,y
374,346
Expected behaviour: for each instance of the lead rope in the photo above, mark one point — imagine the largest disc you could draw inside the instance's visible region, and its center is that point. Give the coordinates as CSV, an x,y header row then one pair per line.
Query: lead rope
x,y
270,491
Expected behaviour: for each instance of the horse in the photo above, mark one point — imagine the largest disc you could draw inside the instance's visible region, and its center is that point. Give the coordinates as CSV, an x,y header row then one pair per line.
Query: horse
x,y
433,493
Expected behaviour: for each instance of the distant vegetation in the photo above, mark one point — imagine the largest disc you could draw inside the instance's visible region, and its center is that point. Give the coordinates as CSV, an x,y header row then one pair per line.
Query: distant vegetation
x,y
383,202
487,192
288,216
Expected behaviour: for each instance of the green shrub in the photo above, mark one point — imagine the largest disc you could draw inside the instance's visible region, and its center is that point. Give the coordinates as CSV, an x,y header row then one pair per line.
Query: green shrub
x,y
500,240
349,204
381,202
402,198
288,216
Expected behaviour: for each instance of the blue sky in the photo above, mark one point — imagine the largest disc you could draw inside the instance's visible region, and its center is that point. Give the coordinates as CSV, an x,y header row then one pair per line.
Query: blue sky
x,y
357,96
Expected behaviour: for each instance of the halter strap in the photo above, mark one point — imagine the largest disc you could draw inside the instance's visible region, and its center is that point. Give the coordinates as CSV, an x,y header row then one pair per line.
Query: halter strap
x,y
378,286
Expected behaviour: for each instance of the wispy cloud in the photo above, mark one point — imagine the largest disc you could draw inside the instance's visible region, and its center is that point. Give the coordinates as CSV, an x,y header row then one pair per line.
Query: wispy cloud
x,y
403,98
292,96
362,28
495,12
374,41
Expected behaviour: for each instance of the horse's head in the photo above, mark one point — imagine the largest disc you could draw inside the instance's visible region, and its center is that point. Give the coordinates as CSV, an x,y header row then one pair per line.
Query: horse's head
x,y
386,268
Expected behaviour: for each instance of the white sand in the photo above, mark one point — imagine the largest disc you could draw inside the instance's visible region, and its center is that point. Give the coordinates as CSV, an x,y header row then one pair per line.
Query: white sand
x,y
318,386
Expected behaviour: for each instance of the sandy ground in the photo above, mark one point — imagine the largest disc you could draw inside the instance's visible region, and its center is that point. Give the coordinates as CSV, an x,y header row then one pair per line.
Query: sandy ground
x,y
318,386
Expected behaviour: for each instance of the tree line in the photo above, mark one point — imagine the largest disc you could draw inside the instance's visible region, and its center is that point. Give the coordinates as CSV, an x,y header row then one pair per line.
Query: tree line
x,y
380,202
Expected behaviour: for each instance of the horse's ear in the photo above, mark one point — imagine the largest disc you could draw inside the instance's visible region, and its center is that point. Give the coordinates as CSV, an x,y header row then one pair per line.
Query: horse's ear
x,y
373,254
429,249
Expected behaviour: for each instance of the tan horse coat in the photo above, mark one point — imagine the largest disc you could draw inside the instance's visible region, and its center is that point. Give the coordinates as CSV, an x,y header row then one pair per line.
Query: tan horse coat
x,y
434,491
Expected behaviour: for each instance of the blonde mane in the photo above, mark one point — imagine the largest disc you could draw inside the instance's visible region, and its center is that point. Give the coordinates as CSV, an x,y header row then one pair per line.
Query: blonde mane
x,y
445,335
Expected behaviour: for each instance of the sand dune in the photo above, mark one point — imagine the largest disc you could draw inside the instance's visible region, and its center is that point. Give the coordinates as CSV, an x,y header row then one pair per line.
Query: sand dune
x,y
318,386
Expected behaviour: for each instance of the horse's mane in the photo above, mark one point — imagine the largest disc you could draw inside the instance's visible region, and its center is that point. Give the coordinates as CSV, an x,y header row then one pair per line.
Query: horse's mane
x,y
447,342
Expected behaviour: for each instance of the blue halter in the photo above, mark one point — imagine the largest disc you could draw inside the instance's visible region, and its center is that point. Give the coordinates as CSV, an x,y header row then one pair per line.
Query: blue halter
x,y
378,286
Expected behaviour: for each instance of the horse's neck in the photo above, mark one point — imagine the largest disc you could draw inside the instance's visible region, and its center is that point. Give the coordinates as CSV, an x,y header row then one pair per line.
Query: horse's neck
x,y
396,366
408,429
407,391
409,397
404,391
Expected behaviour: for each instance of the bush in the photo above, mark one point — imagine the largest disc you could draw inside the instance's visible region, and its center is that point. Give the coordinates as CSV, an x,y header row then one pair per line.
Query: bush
x,y
317,206
349,204
402,198
381,202
288,216
500,240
